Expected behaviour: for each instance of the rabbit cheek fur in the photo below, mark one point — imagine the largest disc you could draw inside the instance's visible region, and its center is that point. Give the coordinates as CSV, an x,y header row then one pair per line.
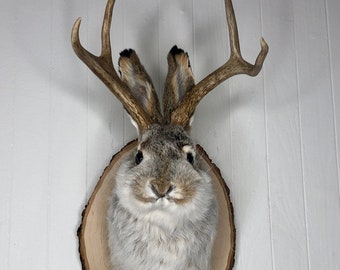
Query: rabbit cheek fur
x,y
163,212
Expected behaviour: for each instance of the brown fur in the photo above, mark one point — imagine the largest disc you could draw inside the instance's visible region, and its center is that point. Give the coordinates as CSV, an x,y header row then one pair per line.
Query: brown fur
x,y
135,76
166,144
179,80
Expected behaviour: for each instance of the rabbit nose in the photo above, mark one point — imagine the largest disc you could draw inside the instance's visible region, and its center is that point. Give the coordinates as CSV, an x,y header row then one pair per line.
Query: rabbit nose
x,y
161,187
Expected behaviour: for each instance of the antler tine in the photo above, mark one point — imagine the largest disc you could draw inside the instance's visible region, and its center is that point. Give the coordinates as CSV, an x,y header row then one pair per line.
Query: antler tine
x,y
103,67
235,65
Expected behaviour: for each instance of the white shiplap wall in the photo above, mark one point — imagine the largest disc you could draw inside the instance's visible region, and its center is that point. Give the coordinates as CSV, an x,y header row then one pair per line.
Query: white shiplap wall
x,y
274,137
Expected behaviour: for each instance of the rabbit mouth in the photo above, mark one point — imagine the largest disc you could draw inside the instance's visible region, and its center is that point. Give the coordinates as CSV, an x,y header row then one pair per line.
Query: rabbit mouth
x,y
155,192
162,202
167,201
173,196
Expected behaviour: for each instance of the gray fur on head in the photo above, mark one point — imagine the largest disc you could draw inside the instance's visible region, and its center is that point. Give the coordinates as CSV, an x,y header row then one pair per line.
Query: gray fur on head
x,y
173,227
163,211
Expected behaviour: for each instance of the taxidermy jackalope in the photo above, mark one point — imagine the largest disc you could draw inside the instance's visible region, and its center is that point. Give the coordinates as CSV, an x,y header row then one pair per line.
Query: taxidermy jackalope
x,y
163,212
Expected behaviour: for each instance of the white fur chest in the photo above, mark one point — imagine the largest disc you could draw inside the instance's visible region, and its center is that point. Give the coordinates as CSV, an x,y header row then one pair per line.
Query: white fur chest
x,y
150,246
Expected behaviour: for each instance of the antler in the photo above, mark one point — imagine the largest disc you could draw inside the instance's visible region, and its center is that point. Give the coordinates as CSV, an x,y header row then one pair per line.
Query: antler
x,y
103,67
235,65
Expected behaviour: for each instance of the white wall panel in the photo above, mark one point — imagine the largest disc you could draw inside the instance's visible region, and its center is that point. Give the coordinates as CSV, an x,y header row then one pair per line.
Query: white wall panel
x,y
7,88
333,20
286,189
275,137
67,143
249,182
320,170
29,181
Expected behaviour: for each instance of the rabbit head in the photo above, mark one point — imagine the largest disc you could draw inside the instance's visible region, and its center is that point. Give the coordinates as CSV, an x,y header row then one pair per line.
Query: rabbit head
x,y
162,180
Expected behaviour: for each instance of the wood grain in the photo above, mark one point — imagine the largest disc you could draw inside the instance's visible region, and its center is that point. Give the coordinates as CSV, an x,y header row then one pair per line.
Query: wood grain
x,y
92,233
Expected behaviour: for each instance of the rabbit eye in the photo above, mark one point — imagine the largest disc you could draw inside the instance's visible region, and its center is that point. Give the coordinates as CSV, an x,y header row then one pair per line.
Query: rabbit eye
x,y
190,158
138,157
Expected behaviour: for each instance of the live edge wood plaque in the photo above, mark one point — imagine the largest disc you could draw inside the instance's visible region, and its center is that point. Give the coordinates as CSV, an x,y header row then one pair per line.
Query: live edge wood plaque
x,y
93,230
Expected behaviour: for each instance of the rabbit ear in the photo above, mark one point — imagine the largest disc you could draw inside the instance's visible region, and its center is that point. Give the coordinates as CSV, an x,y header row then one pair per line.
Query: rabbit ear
x,y
179,80
140,84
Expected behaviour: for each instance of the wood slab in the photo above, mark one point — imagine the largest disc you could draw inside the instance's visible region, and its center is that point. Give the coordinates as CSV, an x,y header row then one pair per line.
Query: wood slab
x,y
92,232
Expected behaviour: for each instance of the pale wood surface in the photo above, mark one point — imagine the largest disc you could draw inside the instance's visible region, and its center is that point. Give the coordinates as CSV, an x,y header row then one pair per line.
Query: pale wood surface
x,y
274,137
92,233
